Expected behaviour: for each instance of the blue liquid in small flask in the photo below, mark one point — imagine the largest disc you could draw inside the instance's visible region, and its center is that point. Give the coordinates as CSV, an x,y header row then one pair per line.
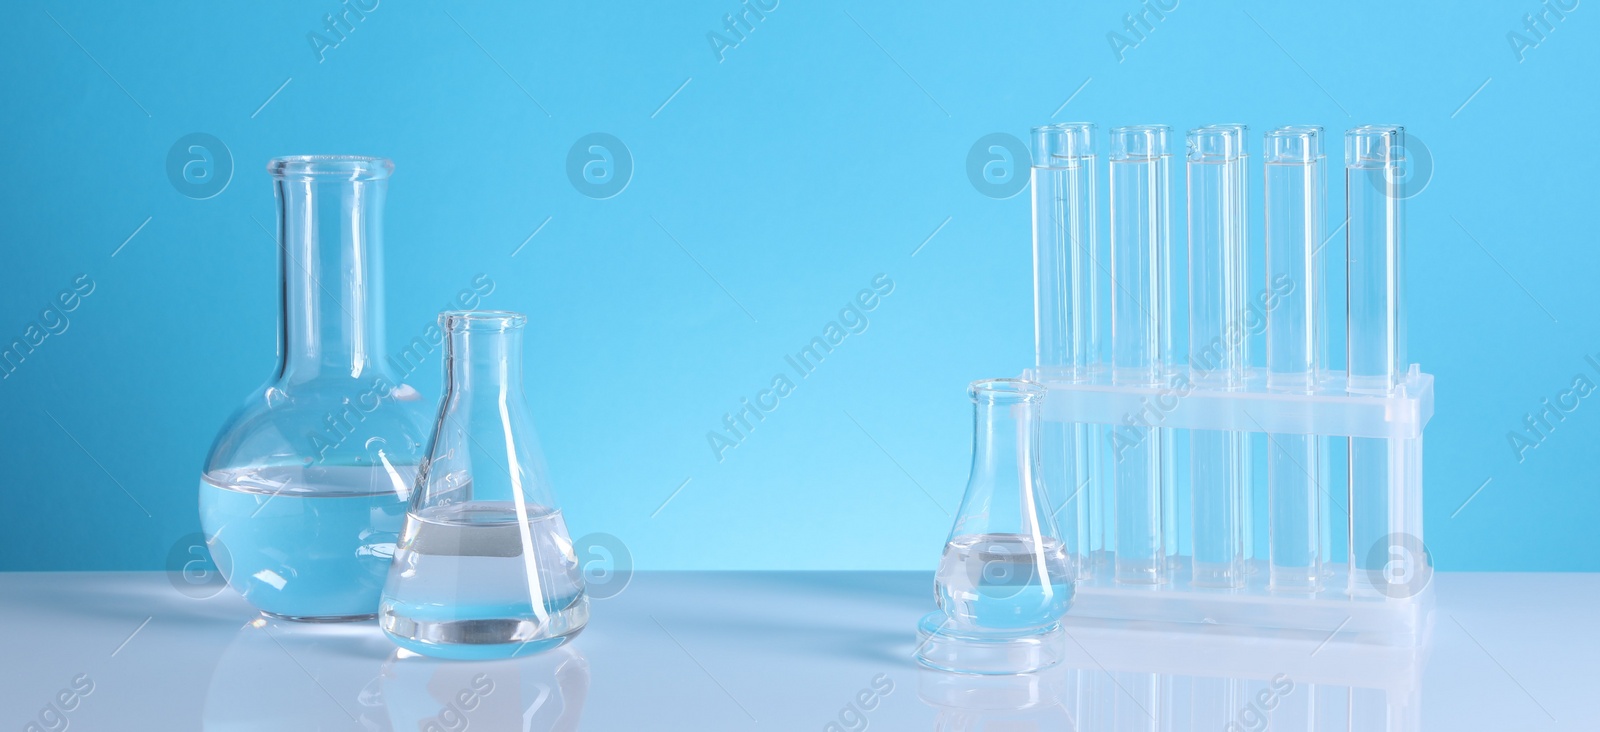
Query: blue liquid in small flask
x,y
1005,578
305,487
484,568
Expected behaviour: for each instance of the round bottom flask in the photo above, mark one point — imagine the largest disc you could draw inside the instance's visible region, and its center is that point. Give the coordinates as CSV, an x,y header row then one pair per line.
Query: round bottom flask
x,y
304,490
1004,580
484,568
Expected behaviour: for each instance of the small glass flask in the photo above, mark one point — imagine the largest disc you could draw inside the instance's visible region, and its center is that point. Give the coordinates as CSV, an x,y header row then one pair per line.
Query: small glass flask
x,y
1005,579
304,490
485,568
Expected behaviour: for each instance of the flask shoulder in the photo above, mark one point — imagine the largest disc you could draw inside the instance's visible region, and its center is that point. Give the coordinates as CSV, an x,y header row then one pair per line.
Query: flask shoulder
x,y
345,422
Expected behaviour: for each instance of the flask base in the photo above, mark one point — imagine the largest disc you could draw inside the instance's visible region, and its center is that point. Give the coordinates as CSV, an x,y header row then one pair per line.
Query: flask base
x,y
948,645
449,635
476,651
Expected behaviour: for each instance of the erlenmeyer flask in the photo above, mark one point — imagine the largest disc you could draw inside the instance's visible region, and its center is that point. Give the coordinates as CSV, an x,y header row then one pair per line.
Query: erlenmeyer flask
x,y
485,568
1004,580
305,487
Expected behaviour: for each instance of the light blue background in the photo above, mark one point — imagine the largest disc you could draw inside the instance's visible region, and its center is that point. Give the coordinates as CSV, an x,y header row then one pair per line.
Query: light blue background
x,y
820,152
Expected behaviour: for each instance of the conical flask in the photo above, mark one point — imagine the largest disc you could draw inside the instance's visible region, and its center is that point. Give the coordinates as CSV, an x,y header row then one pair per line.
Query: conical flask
x,y
1004,580
305,487
484,568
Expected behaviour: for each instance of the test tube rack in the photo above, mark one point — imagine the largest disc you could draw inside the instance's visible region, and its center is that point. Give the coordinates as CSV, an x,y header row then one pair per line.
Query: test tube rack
x,y
1121,458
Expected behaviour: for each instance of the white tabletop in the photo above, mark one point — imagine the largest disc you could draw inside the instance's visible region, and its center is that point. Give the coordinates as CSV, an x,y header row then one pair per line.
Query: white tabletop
x,y
775,650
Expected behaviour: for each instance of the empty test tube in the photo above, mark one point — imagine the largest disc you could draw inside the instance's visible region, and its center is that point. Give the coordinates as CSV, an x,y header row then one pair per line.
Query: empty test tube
x,y
1217,341
1295,202
1065,325
1066,320
1140,181
1374,241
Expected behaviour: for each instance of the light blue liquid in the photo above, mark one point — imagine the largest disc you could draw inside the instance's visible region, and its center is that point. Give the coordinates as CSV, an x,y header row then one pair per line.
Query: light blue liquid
x,y
1004,582
471,581
304,544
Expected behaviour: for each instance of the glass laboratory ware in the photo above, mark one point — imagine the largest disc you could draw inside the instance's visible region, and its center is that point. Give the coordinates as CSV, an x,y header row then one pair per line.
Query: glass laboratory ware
x,y
1004,580
1141,256
303,492
1295,204
484,568
1218,335
1375,198
1066,317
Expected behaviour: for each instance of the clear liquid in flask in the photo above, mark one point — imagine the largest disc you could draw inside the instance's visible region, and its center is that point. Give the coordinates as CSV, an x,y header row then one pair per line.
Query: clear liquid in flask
x,y
471,581
1004,581
305,543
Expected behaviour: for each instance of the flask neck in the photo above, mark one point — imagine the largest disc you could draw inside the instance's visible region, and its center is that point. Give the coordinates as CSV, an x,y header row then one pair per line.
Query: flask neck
x,y
1002,446
484,361
330,234
1004,492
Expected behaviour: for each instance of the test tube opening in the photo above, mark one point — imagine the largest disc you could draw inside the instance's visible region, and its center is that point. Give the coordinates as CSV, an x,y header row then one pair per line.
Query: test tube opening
x,y
1064,145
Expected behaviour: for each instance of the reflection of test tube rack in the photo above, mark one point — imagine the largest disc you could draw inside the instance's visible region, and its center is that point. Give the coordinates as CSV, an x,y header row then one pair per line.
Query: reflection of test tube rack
x,y
1125,680
1158,681
1190,485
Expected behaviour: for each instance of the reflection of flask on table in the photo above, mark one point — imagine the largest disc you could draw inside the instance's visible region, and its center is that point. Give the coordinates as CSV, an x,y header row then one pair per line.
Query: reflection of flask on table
x,y
1029,701
304,489
485,567
277,675
1004,579
543,693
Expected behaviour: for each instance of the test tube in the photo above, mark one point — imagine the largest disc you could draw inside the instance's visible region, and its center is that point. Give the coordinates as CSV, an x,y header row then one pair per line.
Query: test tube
x,y
1296,199
1374,241
1064,287
1066,319
1140,255
1217,339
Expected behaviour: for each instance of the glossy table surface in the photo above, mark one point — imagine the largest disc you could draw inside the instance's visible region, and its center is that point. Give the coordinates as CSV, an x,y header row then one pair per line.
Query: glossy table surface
x,y
776,651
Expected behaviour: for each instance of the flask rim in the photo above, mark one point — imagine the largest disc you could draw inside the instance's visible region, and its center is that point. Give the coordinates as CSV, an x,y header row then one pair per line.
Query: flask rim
x,y
481,320
330,167
993,391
